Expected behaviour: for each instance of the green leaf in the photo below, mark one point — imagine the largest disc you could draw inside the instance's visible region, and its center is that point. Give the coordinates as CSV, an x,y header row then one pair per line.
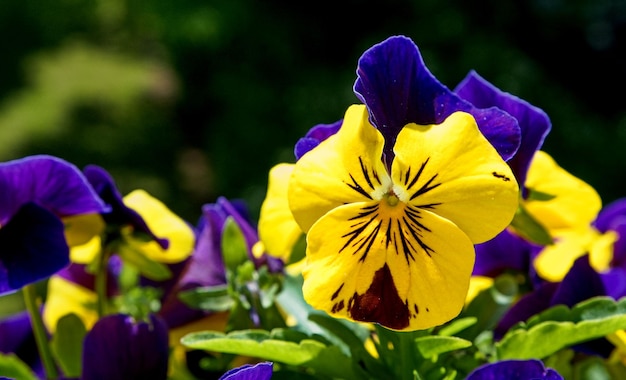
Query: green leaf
x,y
12,367
292,302
535,195
234,246
255,343
560,327
67,344
457,325
529,228
433,345
210,298
328,360
489,306
149,268
351,337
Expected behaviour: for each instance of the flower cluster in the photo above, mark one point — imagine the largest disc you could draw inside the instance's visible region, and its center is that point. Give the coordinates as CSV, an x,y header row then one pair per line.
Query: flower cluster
x,y
424,235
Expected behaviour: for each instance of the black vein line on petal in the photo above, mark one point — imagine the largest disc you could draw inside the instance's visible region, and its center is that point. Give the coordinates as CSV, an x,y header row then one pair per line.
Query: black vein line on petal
x,y
426,187
428,206
414,215
365,173
417,175
355,237
407,247
365,212
356,187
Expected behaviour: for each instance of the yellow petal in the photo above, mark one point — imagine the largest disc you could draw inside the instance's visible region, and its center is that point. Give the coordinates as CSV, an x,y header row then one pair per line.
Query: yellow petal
x,y
477,285
79,229
65,297
395,265
278,230
455,172
344,168
554,261
86,253
575,204
164,224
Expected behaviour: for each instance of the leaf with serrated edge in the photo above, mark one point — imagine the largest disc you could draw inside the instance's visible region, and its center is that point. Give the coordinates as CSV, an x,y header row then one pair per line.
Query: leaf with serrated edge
x,y
593,318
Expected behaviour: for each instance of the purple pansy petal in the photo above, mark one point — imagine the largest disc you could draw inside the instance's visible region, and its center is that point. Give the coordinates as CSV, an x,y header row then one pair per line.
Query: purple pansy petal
x,y
33,247
397,88
120,214
50,182
619,247
506,251
614,281
527,306
14,330
534,123
259,371
117,347
610,215
514,370
581,282
315,136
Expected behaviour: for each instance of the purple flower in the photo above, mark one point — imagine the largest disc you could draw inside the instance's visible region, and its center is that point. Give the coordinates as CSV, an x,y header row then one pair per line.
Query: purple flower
x,y
612,218
514,370
315,136
260,371
397,88
118,347
206,265
37,192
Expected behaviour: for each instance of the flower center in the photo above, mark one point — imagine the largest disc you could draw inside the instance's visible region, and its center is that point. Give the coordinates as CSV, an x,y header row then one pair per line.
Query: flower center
x,y
391,198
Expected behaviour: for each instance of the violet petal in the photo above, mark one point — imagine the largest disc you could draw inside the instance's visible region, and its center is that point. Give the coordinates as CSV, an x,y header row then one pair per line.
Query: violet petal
x,y
33,247
534,123
117,347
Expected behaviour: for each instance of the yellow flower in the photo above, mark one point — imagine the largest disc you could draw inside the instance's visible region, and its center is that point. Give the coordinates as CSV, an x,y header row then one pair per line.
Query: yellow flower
x,y
395,245
278,231
566,206
571,203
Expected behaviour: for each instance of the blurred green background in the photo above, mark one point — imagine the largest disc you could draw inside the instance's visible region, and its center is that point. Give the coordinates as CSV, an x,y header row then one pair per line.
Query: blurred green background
x,y
193,99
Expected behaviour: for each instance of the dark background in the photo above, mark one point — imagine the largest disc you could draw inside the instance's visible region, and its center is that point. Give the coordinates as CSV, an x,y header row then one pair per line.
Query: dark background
x,y
191,100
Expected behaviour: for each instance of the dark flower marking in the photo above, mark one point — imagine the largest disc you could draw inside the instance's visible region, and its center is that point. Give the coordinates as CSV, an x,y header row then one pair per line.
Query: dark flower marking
x,y
381,303
501,176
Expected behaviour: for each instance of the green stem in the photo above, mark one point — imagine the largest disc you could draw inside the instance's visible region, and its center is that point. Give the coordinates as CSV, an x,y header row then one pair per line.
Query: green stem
x,y
101,283
407,355
39,330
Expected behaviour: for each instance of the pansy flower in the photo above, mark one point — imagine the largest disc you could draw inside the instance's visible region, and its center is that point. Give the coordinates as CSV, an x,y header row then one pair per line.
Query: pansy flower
x,y
139,227
514,370
46,205
405,91
393,202
396,247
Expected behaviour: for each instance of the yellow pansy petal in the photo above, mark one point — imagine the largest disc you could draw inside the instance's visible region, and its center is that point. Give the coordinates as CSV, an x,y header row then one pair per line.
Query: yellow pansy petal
x,y
575,203
278,230
344,168
601,251
79,229
554,261
477,285
86,253
455,172
164,224
392,264
65,297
